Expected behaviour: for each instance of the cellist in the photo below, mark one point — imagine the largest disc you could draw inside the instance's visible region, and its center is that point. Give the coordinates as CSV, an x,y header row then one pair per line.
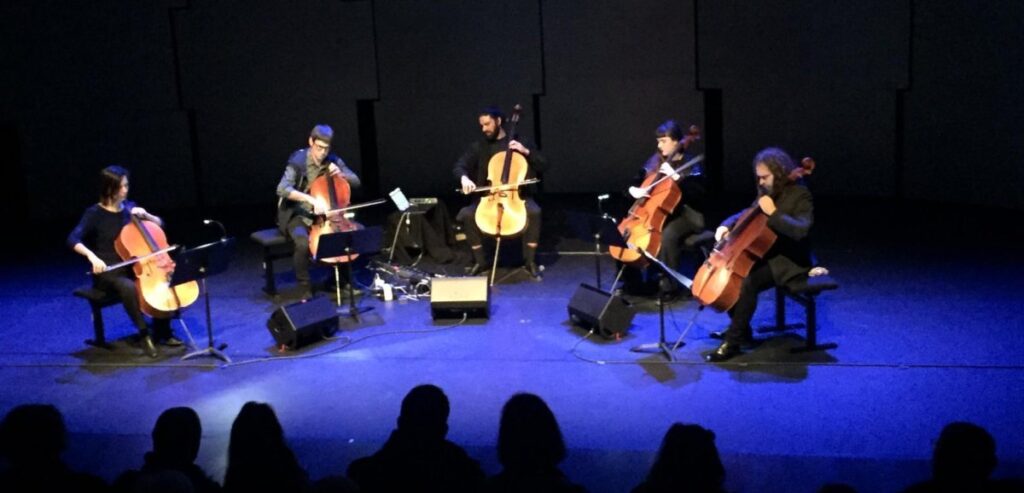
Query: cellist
x,y
688,217
93,238
297,209
790,210
471,170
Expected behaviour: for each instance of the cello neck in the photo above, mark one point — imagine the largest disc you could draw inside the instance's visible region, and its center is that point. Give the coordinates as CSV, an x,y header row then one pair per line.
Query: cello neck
x,y
150,242
333,196
511,134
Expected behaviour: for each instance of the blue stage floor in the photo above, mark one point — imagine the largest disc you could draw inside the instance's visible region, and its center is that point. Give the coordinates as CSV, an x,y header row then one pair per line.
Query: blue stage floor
x,y
929,331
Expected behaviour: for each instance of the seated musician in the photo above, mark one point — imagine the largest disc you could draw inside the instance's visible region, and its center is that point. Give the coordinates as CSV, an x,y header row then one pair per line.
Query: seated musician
x,y
686,219
790,211
296,208
471,170
93,238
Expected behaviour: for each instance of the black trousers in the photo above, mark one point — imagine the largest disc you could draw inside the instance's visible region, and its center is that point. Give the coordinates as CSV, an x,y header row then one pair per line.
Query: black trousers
x,y
298,231
742,312
673,235
122,283
467,216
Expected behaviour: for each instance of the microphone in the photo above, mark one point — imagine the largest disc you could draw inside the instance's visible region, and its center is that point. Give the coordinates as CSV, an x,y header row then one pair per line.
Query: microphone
x,y
223,231
602,197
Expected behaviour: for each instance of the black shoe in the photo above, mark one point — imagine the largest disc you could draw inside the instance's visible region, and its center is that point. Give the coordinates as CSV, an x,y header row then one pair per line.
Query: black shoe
x,y
149,348
171,341
475,269
532,269
724,352
746,342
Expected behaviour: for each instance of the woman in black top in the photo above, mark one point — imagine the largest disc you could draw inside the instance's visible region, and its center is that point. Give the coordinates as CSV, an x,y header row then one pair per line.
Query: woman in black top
x,y
93,238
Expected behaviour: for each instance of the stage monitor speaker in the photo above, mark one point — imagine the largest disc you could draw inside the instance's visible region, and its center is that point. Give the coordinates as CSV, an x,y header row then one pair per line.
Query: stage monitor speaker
x,y
303,322
592,308
453,297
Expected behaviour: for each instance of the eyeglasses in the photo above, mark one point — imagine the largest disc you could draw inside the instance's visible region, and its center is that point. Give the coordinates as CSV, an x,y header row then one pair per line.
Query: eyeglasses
x,y
321,147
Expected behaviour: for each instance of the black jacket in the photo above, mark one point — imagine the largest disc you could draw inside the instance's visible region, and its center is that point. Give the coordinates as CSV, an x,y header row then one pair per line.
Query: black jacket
x,y
790,255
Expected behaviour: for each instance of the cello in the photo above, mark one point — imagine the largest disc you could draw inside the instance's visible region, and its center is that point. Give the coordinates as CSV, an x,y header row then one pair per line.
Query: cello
x,y
643,224
145,244
334,191
502,212
717,282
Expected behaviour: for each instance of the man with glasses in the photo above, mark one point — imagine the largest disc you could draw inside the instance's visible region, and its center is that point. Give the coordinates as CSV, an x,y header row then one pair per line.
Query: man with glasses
x,y
296,208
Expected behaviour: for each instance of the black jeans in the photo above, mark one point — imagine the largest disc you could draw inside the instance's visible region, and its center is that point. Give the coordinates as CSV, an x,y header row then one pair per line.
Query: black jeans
x,y
675,233
467,216
673,236
742,312
122,283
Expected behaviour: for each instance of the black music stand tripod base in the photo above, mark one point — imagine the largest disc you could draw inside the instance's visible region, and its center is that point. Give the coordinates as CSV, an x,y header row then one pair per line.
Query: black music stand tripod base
x,y
662,346
356,242
198,264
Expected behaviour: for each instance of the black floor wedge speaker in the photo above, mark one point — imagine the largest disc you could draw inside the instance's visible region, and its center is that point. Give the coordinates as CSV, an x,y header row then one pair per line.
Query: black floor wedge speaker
x,y
455,297
607,314
300,323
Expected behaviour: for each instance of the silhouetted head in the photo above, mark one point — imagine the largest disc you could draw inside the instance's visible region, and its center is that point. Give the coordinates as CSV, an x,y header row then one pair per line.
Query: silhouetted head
x,y
424,414
836,488
964,452
688,460
176,435
33,434
258,457
255,430
529,437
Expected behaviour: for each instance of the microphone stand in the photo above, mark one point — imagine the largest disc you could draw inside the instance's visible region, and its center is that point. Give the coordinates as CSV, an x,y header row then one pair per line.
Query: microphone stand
x,y
597,239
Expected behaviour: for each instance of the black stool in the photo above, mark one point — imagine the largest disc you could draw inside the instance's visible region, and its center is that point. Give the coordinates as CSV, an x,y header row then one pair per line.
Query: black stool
x,y
98,300
805,292
275,247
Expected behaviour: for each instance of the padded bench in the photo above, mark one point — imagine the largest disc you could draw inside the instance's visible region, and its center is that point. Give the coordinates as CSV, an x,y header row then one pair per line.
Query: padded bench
x,y
805,293
275,247
98,300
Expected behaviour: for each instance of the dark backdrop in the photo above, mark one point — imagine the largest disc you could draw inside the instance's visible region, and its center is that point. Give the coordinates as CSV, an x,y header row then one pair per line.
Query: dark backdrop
x,y
203,100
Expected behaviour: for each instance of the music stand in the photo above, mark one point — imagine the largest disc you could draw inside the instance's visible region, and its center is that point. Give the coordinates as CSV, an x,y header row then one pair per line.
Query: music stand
x,y
356,242
197,264
661,346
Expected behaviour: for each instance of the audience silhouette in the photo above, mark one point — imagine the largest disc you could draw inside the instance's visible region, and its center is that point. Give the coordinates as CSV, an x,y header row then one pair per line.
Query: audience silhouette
x,y
963,461
836,488
687,462
32,439
176,437
258,457
417,456
530,447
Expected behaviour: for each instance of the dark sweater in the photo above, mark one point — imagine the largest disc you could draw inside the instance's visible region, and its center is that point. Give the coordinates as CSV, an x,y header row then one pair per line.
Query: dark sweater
x,y
98,228
473,162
